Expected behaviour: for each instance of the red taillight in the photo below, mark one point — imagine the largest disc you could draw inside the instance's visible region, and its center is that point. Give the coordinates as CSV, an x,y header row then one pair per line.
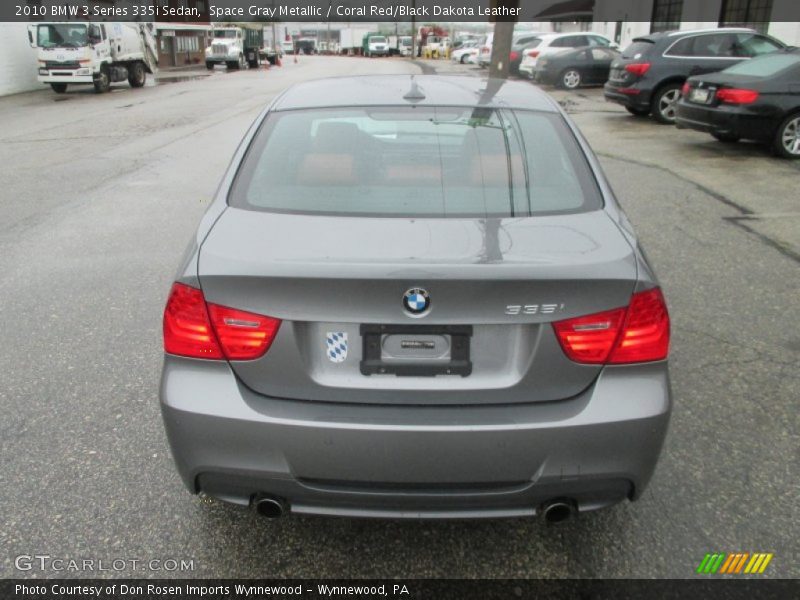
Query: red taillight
x,y
187,328
197,330
242,335
513,55
485,50
590,339
533,53
639,333
638,69
737,96
685,89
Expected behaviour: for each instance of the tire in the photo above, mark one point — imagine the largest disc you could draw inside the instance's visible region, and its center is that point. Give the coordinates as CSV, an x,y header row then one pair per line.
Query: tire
x,y
787,138
726,138
664,102
569,79
103,82
242,62
232,65
463,59
638,112
137,76
59,88
210,66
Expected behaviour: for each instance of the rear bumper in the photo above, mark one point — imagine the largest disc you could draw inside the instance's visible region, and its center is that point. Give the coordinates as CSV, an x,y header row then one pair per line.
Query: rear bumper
x,y
724,120
544,76
410,461
637,98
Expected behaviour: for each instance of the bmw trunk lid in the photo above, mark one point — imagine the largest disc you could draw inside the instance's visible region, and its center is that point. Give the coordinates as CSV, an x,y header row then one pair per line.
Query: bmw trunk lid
x,y
416,310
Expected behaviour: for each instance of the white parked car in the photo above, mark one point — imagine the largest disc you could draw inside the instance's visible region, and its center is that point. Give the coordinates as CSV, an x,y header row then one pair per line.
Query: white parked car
x,y
552,43
485,51
466,53
520,38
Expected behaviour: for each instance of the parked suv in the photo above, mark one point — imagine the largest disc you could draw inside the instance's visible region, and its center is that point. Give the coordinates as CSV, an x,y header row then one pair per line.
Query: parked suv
x,y
648,77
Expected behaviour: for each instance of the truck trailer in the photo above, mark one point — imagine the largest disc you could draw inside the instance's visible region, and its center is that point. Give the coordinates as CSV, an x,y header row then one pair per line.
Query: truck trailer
x,y
93,53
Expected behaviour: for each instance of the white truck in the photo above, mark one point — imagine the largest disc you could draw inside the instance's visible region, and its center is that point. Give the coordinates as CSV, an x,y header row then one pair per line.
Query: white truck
x,y
95,53
236,47
351,39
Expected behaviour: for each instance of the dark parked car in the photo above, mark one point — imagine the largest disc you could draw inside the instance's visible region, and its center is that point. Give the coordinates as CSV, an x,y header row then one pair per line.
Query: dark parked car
x,y
756,100
649,75
572,69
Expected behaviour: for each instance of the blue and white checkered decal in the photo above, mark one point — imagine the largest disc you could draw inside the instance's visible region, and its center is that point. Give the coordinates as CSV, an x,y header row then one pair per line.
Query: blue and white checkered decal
x,y
336,346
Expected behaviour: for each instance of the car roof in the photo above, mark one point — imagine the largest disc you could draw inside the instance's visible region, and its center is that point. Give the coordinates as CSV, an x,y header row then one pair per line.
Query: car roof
x,y
662,35
438,90
553,36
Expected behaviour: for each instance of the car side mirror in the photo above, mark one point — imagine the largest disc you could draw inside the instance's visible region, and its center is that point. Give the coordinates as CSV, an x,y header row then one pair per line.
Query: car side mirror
x,y
614,46
30,36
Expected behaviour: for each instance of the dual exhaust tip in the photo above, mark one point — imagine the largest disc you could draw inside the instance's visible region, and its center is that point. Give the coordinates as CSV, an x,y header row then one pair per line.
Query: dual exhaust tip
x,y
554,511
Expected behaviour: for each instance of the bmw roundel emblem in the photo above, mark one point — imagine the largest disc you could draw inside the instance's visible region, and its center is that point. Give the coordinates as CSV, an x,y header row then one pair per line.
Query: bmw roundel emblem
x,y
416,301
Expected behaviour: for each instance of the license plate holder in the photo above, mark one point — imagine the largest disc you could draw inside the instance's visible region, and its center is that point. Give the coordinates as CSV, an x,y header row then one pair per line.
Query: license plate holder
x,y
372,362
699,95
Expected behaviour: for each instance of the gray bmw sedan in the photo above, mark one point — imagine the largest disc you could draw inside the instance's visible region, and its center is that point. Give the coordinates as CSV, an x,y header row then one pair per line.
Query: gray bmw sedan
x,y
415,297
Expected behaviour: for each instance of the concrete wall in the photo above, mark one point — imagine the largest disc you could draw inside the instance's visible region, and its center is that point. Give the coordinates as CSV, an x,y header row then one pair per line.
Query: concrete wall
x,y
18,67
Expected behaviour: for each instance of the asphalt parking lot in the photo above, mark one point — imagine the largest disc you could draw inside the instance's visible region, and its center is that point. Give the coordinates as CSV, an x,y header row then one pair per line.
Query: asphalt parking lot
x,y
100,196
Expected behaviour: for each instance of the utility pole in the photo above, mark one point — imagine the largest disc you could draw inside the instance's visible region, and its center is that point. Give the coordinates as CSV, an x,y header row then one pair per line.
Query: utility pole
x,y
503,34
413,29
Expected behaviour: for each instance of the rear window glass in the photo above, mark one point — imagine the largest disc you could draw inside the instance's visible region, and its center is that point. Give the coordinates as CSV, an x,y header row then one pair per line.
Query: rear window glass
x,y
532,44
415,161
765,66
637,49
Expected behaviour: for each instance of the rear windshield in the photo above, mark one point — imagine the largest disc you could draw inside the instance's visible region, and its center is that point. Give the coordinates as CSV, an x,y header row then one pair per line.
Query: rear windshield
x,y
637,49
415,161
765,66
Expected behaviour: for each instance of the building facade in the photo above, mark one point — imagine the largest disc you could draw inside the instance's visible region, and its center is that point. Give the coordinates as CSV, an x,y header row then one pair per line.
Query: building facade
x,y
18,68
182,44
641,17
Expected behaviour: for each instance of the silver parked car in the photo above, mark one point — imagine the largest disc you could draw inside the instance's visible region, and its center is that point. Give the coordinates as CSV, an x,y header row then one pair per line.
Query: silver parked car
x,y
415,297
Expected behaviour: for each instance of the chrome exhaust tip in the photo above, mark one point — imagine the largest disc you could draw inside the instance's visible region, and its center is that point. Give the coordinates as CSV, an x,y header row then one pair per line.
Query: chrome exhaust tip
x,y
268,507
558,511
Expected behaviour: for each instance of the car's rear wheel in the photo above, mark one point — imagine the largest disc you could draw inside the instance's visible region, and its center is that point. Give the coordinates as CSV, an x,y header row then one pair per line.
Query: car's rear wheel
x,y
638,112
787,138
665,102
463,59
570,79
59,88
727,138
210,66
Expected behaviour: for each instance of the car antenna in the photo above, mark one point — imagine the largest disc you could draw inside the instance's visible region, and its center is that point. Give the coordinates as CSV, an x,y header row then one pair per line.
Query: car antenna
x,y
415,93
